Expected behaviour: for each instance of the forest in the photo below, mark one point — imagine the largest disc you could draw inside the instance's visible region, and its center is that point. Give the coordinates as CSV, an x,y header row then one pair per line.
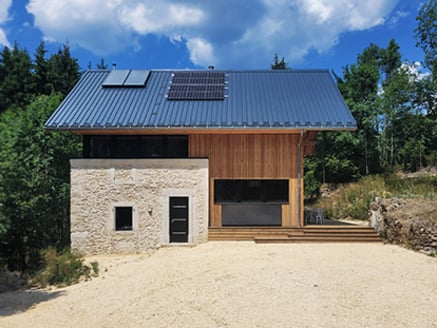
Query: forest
x,y
393,102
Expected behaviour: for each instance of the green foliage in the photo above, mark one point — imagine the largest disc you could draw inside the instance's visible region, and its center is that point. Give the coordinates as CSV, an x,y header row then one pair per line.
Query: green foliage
x,y
63,70
16,84
312,177
279,64
34,183
426,33
353,200
21,78
63,268
34,164
422,187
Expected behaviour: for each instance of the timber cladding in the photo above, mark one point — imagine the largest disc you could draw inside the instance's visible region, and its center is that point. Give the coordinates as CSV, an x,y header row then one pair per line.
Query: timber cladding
x,y
262,156
251,156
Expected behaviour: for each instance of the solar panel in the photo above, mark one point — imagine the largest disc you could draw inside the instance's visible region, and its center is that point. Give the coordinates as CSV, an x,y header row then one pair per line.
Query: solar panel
x,y
116,78
197,86
137,78
126,78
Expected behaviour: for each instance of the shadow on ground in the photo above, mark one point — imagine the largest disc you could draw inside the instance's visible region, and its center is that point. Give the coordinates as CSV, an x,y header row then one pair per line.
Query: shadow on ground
x,y
19,301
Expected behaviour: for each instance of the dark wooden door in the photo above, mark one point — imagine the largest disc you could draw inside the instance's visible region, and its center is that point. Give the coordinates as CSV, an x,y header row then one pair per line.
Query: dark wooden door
x,y
178,219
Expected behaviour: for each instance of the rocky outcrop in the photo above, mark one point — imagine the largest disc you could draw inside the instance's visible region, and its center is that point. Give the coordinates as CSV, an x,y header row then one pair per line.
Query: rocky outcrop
x,y
410,222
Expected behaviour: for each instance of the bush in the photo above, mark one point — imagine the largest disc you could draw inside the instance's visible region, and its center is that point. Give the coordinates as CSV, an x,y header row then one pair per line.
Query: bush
x,y
353,200
63,268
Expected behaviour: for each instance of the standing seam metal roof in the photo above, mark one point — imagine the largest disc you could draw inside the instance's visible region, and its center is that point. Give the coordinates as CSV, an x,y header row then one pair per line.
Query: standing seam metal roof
x,y
291,99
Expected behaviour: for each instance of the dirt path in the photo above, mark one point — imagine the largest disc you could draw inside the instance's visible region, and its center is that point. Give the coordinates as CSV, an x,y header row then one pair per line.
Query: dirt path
x,y
242,284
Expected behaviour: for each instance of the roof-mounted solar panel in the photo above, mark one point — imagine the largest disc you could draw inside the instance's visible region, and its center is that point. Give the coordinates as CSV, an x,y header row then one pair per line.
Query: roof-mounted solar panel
x,y
126,78
137,78
116,78
197,86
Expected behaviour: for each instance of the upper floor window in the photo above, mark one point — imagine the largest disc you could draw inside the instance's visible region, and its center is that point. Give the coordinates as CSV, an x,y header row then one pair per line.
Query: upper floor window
x,y
135,146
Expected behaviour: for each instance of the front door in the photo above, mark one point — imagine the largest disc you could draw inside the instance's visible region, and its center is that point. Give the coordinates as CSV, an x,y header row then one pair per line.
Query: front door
x,y
178,219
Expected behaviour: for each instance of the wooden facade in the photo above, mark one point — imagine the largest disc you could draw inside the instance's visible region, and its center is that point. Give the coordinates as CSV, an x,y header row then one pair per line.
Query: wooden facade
x,y
255,156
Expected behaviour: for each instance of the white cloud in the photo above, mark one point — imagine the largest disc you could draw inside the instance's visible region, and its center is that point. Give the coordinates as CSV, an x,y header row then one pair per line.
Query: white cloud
x,y
225,33
201,52
398,15
90,24
4,17
164,17
415,71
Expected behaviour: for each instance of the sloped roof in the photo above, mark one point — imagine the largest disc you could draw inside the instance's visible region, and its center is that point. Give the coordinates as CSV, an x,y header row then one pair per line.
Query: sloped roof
x,y
273,99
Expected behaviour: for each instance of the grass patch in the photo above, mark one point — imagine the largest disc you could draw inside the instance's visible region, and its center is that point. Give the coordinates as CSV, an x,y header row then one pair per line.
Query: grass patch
x,y
63,268
352,201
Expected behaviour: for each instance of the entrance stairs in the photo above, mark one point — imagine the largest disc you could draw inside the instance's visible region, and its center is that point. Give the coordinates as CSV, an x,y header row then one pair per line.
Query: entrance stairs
x,y
309,233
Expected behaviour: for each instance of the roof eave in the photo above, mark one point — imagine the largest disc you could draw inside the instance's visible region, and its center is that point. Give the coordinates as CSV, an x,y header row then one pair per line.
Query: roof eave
x,y
199,129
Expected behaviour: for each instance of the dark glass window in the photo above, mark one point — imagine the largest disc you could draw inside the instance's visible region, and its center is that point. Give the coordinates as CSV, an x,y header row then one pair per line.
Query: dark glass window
x,y
126,146
99,147
270,191
135,146
123,218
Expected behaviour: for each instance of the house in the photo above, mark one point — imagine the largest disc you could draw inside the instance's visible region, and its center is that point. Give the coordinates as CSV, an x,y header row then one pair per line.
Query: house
x,y
169,155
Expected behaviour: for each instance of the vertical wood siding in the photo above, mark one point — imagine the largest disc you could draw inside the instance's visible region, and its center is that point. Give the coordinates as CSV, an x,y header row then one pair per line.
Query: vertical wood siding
x,y
252,156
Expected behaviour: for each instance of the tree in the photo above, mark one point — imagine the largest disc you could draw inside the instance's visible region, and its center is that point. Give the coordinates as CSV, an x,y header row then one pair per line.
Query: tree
x,y
359,87
426,34
16,80
279,64
43,84
390,59
64,71
102,65
34,183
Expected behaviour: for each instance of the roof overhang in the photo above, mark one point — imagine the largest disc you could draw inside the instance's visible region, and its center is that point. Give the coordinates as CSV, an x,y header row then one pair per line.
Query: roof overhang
x,y
200,130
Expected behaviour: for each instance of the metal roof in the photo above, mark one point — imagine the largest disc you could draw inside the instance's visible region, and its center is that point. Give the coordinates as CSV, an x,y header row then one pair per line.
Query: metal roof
x,y
278,99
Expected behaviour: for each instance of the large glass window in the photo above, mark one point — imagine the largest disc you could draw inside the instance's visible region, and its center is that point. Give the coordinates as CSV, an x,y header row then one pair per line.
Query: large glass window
x,y
236,191
135,146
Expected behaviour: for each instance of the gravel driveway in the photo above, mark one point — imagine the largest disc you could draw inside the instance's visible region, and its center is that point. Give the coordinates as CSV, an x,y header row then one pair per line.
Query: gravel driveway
x,y
242,284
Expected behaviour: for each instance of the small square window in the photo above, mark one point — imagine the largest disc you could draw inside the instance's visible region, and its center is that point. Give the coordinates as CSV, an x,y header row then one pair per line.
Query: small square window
x,y
123,218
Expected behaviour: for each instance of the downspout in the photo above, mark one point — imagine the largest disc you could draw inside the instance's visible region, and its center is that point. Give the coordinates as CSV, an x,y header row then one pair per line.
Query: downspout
x,y
299,183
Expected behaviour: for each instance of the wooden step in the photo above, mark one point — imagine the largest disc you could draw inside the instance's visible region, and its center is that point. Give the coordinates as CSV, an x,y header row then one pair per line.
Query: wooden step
x,y
315,233
318,239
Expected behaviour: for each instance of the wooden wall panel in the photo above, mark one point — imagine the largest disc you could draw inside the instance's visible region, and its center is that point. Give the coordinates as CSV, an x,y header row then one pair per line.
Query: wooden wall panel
x,y
239,156
247,156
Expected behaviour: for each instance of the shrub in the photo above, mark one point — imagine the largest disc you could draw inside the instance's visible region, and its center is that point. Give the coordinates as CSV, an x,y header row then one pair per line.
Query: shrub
x,y
353,200
63,268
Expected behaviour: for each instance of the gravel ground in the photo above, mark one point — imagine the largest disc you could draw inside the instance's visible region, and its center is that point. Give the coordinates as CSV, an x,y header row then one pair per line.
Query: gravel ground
x,y
242,284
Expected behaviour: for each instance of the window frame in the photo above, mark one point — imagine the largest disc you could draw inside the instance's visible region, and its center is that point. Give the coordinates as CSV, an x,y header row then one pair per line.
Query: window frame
x,y
133,226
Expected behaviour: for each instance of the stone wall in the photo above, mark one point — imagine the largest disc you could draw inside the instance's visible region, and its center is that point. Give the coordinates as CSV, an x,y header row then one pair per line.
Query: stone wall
x,y
408,222
99,185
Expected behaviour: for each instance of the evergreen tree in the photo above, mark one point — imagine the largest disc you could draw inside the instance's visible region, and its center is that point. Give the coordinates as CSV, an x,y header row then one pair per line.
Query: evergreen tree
x,y
34,183
279,64
102,65
43,85
64,71
16,81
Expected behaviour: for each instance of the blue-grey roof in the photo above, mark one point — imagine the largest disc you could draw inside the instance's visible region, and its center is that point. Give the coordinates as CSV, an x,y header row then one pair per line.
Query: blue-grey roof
x,y
278,99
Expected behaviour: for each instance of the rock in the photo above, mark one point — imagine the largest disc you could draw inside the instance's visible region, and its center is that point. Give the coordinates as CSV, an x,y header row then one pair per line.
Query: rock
x,y
411,222
9,281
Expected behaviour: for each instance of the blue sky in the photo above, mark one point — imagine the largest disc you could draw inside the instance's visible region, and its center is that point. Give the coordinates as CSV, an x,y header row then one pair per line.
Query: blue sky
x,y
229,34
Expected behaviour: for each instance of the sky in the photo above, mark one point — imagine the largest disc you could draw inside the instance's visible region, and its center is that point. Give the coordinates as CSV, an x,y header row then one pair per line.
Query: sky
x,y
228,34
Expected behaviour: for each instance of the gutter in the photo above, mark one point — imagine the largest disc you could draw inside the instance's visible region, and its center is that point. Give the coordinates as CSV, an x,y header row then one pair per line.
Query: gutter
x,y
299,176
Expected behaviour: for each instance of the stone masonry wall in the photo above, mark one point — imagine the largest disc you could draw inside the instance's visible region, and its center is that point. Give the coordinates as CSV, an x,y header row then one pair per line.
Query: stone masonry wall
x,y
98,185
409,222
